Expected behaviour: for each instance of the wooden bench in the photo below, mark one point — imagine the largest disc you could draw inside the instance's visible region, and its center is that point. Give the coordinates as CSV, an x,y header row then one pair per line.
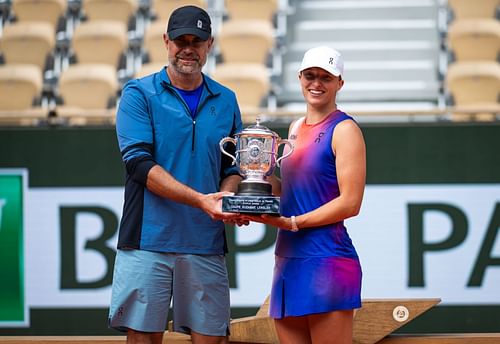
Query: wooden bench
x,y
376,319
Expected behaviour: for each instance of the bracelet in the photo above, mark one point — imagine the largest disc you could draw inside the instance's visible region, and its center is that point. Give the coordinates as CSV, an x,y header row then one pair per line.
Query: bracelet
x,y
295,228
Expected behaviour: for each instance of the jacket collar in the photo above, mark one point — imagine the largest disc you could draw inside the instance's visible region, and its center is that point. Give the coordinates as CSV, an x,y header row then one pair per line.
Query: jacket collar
x,y
211,86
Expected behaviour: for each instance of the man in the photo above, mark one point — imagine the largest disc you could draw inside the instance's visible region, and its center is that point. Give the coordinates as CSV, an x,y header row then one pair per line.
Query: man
x,y
171,241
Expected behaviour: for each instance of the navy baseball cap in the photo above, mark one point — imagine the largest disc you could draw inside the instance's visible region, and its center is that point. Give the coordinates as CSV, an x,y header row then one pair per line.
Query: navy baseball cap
x,y
189,20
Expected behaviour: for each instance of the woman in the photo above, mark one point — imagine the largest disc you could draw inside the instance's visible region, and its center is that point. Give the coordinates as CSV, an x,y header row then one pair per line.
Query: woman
x,y
317,274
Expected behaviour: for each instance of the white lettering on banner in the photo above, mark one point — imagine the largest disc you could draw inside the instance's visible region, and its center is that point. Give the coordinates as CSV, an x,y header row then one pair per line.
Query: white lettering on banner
x,y
439,258
91,266
2,203
254,269
381,236
43,245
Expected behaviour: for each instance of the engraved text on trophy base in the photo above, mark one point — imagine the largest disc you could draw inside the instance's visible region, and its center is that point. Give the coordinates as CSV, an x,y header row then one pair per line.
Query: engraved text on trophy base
x,y
251,204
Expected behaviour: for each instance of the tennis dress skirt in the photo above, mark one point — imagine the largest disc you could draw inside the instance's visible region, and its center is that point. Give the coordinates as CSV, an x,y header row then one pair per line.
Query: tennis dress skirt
x,y
303,286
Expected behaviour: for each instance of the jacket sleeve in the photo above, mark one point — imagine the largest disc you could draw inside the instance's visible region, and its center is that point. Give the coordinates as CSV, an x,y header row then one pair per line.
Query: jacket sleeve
x,y
135,132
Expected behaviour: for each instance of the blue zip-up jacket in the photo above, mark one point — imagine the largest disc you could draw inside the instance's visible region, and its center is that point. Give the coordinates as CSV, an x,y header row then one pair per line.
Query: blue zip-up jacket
x,y
154,126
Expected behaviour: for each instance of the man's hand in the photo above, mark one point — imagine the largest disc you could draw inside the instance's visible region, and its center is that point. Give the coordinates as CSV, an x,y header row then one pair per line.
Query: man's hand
x,y
212,205
238,221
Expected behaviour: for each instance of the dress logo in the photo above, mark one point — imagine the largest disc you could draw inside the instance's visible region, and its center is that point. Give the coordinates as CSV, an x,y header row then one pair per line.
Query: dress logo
x,y
320,135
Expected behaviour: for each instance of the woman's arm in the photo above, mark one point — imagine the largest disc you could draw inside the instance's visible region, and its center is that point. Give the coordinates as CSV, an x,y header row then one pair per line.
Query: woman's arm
x,y
349,148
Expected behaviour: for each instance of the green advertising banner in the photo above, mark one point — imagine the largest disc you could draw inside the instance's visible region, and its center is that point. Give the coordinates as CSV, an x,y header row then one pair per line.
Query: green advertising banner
x,y
13,308
429,228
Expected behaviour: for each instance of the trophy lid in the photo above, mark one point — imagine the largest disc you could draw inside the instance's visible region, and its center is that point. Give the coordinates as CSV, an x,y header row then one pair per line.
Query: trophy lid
x,y
259,130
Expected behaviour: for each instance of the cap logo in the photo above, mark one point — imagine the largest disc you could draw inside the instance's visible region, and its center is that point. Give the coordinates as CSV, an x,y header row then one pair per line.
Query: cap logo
x,y
199,24
331,60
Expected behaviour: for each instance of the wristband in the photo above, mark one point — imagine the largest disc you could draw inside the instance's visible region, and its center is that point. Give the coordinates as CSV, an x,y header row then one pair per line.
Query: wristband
x,y
295,228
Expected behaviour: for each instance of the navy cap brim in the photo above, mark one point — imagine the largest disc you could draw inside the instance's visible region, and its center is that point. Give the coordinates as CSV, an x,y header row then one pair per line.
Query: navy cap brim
x,y
174,34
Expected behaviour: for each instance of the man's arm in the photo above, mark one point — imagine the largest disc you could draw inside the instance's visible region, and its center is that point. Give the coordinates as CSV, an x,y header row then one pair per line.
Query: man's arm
x,y
165,185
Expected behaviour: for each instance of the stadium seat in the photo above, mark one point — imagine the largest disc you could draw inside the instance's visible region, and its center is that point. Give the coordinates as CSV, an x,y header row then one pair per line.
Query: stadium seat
x,y
27,42
153,42
162,8
251,9
88,86
100,41
20,84
49,11
474,39
250,82
20,90
473,8
119,10
87,93
474,84
246,40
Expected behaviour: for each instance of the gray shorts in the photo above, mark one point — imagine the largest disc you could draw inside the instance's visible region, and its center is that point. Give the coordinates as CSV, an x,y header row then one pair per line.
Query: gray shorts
x,y
145,282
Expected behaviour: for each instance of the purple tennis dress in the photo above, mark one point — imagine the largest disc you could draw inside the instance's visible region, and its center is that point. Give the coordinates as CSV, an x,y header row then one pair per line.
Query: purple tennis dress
x,y
317,269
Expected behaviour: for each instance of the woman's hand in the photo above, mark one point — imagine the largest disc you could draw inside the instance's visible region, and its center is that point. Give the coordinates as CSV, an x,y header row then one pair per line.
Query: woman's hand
x,y
277,221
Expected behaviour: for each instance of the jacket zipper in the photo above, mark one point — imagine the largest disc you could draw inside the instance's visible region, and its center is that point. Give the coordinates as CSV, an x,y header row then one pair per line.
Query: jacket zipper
x,y
193,132
200,104
193,135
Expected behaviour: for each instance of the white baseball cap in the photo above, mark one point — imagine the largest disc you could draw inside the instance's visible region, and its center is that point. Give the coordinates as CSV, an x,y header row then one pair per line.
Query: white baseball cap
x,y
325,58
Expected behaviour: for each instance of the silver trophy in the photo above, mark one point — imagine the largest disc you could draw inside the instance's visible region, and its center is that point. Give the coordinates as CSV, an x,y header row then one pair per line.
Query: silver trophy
x,y
256,158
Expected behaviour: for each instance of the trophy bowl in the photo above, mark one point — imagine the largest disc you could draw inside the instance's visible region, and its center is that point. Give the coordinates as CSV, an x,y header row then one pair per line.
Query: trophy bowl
x,y
256,158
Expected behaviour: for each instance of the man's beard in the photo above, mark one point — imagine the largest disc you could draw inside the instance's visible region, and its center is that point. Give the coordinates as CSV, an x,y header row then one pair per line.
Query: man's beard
x,y
193,68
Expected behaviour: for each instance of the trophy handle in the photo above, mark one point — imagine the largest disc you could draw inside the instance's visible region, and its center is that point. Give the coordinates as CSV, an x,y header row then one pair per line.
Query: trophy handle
x,y
221,145
286,142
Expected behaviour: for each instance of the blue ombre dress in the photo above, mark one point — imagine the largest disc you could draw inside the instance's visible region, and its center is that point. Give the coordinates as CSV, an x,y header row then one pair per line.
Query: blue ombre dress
x,y
317,269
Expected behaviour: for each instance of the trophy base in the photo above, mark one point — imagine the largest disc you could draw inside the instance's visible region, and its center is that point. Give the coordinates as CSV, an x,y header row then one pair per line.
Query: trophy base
x,y
251,204
254,189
